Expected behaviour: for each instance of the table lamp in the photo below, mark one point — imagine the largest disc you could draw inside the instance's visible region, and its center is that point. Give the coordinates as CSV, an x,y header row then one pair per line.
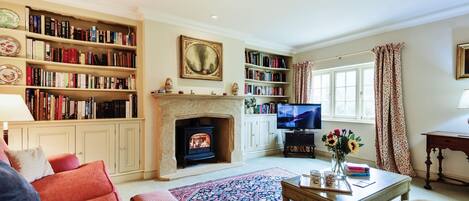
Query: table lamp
x,y
12,108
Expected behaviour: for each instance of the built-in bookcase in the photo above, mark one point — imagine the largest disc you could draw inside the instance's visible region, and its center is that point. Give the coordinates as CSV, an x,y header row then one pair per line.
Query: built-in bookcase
x,y
84,90
267,79
75,67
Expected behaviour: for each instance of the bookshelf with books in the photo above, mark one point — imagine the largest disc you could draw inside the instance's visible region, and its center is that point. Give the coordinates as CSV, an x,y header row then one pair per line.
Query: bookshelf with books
x,y
79,74
267,83
75,55
267,78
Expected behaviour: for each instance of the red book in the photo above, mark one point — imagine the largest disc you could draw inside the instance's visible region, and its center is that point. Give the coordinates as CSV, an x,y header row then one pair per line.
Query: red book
x,y
29,71
59,111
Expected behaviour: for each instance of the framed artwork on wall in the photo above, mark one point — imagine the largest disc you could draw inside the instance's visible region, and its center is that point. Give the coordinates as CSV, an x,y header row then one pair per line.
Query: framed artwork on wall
x,y
201,59
462,61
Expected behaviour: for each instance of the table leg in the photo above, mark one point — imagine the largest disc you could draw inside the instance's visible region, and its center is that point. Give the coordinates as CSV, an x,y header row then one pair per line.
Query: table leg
x,y
428,162
405,196
440,168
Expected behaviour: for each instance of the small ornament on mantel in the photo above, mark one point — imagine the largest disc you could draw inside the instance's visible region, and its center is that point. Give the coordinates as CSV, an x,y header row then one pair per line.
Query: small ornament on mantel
x,y
168,85
192,92
234,89
213,93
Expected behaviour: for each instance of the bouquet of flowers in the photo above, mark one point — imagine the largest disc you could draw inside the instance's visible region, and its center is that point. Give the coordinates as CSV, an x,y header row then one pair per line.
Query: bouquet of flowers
x,y
341,143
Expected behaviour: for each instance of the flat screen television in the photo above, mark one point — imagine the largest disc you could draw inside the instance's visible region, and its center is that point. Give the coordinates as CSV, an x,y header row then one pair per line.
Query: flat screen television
x,y
299,116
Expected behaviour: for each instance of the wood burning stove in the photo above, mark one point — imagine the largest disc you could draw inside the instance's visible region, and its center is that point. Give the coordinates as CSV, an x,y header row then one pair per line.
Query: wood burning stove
x,y
194,143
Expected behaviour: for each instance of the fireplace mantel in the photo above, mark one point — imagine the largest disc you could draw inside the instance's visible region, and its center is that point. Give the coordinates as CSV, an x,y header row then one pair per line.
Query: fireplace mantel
x,y
172,107
196,96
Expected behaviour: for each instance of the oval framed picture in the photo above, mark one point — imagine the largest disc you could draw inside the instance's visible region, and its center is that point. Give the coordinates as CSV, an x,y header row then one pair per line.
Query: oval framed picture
x,y
9,74
9,46
9,19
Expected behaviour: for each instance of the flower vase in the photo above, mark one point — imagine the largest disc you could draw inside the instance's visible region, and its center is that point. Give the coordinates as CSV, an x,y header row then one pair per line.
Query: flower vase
x,y
338,164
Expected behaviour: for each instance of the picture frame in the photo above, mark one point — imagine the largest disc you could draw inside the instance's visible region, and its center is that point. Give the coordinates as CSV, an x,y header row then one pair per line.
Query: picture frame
x,y
462,61
201,59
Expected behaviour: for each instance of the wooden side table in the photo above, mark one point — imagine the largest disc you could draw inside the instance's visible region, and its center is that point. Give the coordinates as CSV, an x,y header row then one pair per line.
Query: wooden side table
x,y
444,140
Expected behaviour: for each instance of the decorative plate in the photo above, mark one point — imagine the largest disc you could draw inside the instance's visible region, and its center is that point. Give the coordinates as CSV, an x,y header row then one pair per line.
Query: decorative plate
x,y
9,19
9,74
9,46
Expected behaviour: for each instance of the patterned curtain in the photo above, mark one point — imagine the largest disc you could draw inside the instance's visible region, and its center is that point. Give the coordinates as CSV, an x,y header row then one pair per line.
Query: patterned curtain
x,y
392,148
302,78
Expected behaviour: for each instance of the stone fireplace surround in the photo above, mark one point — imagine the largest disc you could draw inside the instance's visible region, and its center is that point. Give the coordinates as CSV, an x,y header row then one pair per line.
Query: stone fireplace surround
x,y
172,107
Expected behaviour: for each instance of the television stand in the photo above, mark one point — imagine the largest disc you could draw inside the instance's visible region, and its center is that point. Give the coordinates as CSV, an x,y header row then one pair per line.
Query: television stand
x,y
299,142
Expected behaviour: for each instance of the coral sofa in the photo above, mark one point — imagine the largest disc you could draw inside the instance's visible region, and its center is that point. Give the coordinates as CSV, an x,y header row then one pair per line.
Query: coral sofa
x,y
71,181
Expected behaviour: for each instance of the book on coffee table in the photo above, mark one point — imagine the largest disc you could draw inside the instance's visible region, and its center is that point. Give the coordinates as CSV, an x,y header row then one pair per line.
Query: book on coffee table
x,y
341,185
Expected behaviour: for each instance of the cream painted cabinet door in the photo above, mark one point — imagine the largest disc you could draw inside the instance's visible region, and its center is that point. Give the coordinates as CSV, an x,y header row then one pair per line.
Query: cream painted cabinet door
x,y
97,142
263,135
129,147
16,138
53,140
251,133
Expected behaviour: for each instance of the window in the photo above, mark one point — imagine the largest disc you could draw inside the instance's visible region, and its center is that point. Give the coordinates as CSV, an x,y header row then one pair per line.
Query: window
x,y
345,92
322,87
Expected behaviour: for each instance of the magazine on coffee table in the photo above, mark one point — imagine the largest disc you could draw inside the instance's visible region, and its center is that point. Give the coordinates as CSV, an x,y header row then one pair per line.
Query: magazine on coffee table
x,y
341,185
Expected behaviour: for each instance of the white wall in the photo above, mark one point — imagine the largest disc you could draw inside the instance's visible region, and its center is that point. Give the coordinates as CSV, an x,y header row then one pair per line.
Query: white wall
x,y
431,92
161,60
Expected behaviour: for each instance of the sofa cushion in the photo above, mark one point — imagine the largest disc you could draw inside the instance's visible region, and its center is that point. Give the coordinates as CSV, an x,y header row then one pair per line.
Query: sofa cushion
x,y
87,182
158,195
30,163
13,186
64,162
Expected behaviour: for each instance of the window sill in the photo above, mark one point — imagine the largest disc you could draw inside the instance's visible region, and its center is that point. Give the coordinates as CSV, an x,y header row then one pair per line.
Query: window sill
x,y
358,121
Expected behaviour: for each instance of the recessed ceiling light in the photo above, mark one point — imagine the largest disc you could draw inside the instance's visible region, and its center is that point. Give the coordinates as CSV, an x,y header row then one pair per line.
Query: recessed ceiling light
x,y
214,17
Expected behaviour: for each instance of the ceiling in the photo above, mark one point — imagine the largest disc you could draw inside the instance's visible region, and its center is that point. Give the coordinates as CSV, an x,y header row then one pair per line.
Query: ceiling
x,y
296,25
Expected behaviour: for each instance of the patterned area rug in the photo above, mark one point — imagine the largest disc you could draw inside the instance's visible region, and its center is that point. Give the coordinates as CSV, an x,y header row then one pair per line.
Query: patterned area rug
x,y
261,185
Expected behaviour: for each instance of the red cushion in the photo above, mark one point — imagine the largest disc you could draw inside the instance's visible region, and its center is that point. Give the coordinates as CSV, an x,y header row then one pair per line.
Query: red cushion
x,y
158,195
86,182
3,148
64,162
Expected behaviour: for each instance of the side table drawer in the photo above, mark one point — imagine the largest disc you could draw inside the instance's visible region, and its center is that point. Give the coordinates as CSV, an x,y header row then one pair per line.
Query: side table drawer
x,y
444,142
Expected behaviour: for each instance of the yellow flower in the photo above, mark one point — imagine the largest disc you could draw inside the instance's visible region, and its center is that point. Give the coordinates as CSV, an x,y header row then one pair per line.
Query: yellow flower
x,y
353,146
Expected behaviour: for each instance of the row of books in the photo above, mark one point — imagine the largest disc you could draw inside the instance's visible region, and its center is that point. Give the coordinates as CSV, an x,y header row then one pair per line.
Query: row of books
x,y
36,76
266,60
41,50
266,108
261,75
250,89
47,106
53,27
353,169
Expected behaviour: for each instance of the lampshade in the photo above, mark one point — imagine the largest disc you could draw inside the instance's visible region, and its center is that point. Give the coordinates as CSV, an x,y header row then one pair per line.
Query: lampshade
x,y
464,101
13,108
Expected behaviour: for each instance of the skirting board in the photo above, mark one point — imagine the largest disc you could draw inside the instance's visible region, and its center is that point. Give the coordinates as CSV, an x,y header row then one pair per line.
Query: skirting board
x,y
257,154
126,177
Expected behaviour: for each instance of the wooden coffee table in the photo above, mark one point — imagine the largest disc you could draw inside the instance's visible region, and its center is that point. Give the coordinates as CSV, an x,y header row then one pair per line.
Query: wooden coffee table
x,y
388,186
